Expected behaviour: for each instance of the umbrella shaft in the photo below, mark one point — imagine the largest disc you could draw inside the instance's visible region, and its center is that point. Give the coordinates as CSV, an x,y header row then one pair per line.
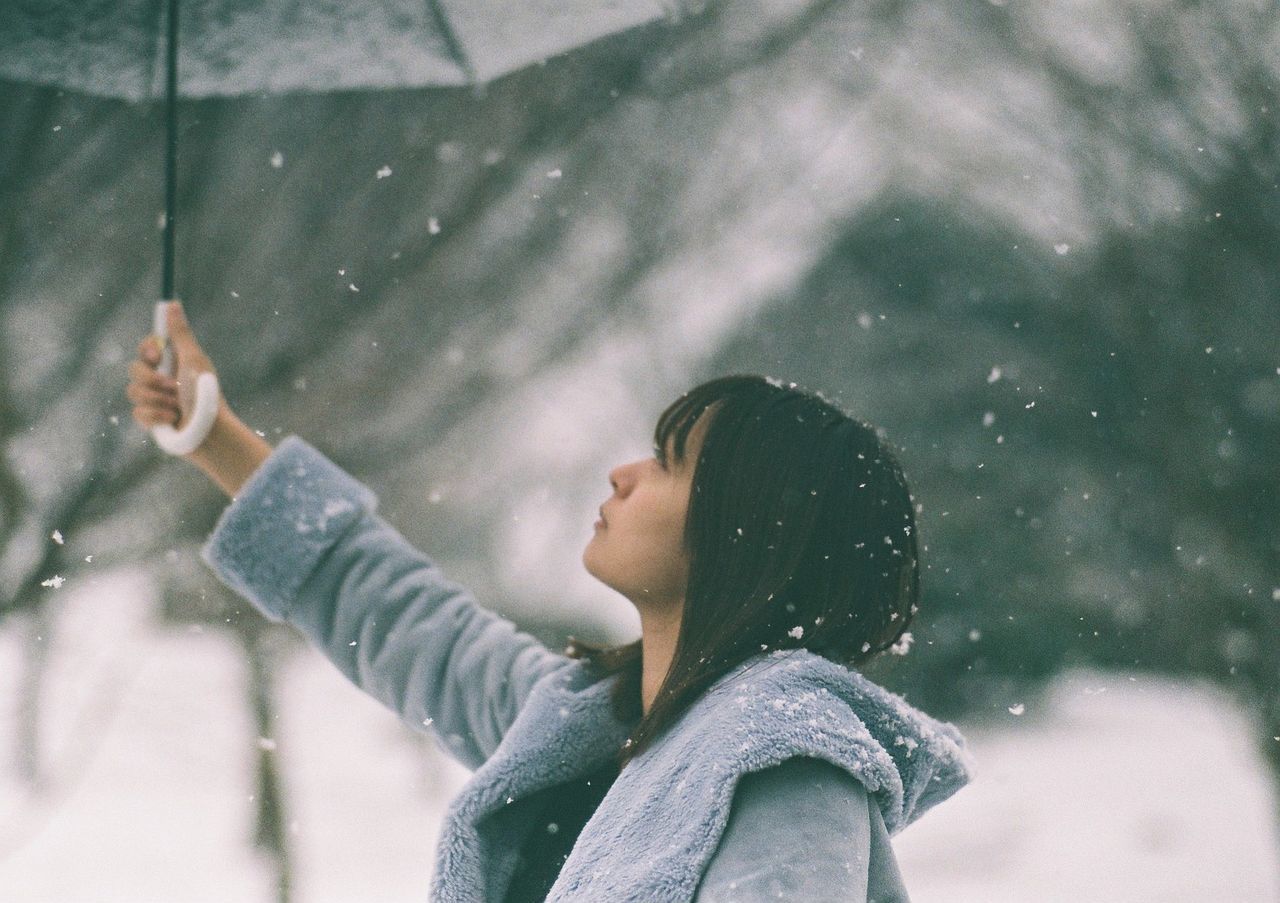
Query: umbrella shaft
x,y
171,155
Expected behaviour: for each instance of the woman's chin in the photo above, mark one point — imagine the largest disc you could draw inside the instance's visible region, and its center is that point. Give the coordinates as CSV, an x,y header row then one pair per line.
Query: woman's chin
x,y
592,565
588,557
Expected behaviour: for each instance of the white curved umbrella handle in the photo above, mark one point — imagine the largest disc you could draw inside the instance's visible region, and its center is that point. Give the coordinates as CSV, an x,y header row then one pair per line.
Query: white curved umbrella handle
x,y
187,439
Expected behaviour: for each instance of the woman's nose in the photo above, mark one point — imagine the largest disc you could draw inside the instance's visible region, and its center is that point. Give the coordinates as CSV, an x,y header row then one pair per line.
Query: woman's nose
x,y
620,479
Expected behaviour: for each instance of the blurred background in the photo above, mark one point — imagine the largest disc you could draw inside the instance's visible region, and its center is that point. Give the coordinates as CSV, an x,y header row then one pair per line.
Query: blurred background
x,y
1035,243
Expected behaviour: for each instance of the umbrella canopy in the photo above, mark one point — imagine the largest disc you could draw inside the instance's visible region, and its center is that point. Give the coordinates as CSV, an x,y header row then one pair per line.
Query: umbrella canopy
x,y
130,49
115,48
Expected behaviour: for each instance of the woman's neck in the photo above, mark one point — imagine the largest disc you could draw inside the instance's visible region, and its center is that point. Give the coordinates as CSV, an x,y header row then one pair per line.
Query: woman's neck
x,y
659,631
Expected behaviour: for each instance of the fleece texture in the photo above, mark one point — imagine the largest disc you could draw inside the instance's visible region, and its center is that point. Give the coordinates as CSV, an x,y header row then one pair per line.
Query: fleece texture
x,y
302,541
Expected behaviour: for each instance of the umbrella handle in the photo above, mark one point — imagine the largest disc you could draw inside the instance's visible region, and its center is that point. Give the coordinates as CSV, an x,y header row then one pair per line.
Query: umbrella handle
x,y
187,439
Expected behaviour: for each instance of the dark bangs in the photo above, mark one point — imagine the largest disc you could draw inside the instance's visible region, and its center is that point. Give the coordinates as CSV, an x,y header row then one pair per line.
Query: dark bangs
x,y
678,419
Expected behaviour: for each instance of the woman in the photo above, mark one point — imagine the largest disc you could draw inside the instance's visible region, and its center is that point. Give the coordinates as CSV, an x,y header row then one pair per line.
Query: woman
x,y
729,754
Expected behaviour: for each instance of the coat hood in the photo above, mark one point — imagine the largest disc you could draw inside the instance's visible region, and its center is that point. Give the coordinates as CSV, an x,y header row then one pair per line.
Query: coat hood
x,y
794,702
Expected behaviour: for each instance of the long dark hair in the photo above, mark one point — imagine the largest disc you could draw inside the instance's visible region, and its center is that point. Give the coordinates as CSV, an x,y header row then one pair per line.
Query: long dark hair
x,y
800,533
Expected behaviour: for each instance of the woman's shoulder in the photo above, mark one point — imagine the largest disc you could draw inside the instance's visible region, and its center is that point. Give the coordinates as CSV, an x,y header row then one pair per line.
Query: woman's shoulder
x,y
799,830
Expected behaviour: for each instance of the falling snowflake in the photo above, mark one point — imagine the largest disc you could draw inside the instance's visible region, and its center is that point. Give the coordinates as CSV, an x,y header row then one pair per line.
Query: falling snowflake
x,y
433,226
55,581
796,632
554,174
1017,709
266,743
995,374
57,537
277,160
384,172
903,645
1062,248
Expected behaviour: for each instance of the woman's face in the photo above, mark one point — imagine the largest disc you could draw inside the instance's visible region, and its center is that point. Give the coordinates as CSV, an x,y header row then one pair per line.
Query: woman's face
x,y
638,547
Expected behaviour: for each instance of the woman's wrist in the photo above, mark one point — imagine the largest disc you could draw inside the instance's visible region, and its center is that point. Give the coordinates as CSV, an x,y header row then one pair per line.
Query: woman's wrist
x,y
231,452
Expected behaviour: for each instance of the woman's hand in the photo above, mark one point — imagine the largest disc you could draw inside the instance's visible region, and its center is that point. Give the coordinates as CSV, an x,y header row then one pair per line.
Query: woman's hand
x,y
231,451
164,400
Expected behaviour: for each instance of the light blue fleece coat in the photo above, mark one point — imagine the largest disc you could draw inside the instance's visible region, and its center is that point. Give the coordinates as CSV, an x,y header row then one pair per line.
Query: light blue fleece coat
x,y
302,541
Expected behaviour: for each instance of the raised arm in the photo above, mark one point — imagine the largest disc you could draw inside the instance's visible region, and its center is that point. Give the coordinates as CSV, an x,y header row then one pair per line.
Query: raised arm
x,y
302,541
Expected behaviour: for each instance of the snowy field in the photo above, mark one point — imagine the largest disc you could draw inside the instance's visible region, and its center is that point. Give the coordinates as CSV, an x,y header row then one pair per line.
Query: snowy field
x,y
1121,788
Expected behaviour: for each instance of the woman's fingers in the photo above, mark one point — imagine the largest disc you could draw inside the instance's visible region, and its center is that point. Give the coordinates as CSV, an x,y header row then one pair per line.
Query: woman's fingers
x,y
148,395
148,417
148,351
154,395
144,375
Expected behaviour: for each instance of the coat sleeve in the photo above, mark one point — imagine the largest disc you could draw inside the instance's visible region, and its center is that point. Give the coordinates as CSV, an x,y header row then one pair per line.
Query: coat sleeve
x,y
801,830
303,543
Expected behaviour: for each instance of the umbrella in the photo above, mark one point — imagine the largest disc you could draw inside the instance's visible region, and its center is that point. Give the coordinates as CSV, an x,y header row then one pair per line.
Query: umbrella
x,y
236,47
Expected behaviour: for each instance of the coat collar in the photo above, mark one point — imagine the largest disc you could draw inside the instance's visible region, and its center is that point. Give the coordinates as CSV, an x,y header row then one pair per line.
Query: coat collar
x,y
660,822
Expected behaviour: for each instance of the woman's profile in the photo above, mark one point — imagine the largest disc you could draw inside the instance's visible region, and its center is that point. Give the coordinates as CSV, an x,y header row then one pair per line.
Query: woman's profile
x,y
735,752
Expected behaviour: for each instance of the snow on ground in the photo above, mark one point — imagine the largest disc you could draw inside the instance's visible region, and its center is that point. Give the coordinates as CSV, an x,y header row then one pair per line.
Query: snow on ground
x,y
1124,789
1121,788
